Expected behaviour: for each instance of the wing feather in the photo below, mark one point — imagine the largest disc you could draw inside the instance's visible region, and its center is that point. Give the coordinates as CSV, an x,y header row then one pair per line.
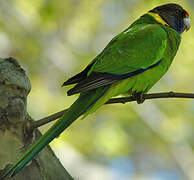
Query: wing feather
x,y
96,80
130,53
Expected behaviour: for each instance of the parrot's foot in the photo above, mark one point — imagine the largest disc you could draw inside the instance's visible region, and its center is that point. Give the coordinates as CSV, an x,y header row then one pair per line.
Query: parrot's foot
x,y
139,97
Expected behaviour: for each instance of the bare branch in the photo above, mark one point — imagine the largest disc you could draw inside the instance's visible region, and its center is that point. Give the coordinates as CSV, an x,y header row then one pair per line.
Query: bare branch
x,y
48,119
123,100
152,96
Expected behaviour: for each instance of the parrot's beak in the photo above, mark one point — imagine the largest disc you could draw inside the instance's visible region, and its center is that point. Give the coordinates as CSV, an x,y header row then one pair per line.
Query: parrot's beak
x,y
187,23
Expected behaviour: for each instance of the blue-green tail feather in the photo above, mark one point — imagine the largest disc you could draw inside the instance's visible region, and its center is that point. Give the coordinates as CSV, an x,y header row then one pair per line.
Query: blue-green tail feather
x,y
79,107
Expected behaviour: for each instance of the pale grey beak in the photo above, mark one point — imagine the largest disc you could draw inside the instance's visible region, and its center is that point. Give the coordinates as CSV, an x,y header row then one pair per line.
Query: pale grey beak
x,y
187,23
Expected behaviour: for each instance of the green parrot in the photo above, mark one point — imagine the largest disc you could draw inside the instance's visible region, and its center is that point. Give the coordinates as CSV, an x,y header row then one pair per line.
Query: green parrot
x,y
132,63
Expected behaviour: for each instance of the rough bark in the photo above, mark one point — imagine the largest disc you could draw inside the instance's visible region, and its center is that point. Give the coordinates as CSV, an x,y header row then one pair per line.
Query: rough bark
x,y
14,139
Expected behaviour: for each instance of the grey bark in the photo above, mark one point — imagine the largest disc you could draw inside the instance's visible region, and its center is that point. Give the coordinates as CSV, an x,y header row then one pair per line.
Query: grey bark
x,y
14,139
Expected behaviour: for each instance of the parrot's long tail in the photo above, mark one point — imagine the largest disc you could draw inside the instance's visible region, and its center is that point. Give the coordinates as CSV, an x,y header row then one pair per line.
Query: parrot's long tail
x,y
79,107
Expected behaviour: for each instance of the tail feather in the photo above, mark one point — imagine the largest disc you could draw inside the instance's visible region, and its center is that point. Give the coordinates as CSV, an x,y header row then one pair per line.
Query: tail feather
x,y
79,107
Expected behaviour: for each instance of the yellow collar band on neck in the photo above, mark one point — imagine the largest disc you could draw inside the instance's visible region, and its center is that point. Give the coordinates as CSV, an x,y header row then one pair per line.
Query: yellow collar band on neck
x,y
157,18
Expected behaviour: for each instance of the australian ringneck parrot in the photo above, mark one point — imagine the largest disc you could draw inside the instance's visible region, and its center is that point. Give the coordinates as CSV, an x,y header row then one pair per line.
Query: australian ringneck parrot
x,y
132,63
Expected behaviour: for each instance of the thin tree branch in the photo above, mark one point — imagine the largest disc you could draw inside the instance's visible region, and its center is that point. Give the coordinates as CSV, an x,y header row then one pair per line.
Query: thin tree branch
x,y
48,119
152,96
123,100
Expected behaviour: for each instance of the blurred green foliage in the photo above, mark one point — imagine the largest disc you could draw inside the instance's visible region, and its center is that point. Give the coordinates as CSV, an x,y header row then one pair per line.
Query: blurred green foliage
x,y
56,39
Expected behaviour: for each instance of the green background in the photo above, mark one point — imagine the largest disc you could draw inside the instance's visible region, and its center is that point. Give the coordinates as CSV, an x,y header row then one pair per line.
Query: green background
x,y
55,39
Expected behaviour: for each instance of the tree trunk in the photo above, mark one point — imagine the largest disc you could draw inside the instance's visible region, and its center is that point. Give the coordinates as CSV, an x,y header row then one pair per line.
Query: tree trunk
x,y
15,137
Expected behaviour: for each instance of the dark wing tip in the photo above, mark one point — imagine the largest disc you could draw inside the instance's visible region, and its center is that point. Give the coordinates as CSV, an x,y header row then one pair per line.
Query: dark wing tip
x,y
94,81
65,83
78,77
72,92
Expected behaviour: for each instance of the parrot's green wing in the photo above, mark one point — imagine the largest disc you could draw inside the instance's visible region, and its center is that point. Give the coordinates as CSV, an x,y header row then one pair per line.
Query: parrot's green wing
x,y
133,51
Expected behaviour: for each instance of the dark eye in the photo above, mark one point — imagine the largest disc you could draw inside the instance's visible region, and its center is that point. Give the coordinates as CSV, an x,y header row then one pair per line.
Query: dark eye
x,y
177,11
185,14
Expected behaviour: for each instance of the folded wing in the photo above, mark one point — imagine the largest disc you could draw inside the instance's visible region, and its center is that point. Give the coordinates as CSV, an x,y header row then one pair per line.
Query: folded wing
x,y
128,54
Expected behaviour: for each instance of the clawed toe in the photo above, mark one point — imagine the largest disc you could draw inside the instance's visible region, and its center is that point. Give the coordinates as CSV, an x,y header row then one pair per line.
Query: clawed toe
x,y
139,97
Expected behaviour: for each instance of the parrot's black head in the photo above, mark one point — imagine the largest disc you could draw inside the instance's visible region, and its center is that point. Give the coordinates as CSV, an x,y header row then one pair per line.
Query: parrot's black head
x,y
174,15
